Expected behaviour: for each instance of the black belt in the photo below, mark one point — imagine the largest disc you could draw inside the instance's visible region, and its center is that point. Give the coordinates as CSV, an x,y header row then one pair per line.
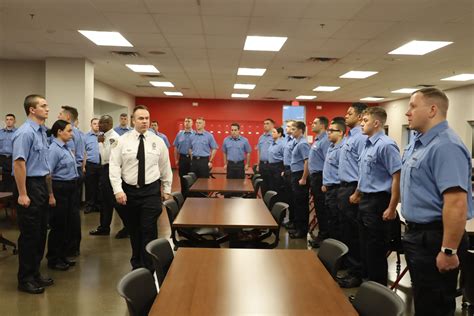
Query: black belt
x,y
316,173
332,186
235,162
66,181
37,177
92,163
5,156
348,184
280,163
374,194
287,168
425,226
264,162
200,157
184,155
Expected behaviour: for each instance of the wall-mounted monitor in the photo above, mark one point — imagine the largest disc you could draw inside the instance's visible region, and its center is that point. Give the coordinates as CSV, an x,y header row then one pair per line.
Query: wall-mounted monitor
x,y
297,113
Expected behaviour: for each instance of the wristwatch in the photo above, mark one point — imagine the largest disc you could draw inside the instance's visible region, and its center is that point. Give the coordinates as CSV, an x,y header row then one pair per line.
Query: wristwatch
x,y
449,251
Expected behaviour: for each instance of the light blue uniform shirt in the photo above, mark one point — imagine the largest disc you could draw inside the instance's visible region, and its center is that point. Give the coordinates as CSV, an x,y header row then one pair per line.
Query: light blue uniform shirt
x,y
202,144
349,155
331,164
182,142
31,145
318,152
236,148
61,161
264,142
6,143
299,154
92,147
438,161
288,148
276,151
164,138
379,160
76,145
122,130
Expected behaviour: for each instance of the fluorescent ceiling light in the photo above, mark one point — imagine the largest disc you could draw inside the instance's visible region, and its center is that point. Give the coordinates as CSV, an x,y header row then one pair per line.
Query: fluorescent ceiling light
x,y
171,93
240,95
251,71
325,88
143,68
460,77
372,99
106,38
358,74
306,97
245,86
264,43
162,84
419,47
405,90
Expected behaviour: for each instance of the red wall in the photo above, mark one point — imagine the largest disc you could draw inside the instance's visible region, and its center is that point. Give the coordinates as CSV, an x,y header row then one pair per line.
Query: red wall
x,y
171,112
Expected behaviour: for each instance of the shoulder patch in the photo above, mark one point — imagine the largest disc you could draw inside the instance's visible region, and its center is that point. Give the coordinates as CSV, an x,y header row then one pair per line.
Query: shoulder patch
x,y
113,142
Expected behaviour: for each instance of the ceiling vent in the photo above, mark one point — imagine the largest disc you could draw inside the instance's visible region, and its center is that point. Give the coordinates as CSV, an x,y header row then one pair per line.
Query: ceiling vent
x,y
125,54
144,86
271,98
321,60
281,90
426,85
152,76
298,77
156,52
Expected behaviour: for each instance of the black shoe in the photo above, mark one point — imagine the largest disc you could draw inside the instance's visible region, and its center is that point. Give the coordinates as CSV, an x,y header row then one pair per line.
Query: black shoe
x,y
73,254
290,225
349,282
314,243
69,262
99,232
30,287
298,234
60,266
44,282
123,233
88,210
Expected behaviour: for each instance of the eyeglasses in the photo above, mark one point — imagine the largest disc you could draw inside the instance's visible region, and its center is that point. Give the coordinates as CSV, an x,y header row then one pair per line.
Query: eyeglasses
x,y
330,130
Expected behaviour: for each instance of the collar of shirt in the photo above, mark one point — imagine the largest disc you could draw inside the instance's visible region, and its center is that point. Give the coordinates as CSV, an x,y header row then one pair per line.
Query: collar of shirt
x,y
432,133
200,133
33,124
267,134
9,130
92,133
355,130
110,131
322,135
235,139
59,142
137,134
289,138
374,138
298,140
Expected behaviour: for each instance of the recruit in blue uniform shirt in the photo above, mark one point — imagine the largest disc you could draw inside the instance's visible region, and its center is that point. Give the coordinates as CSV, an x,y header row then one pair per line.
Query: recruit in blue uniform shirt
x,y
288,148
92,147
379,160
264,142
62,162
183,141
318,152
236,148
6,144
276,151
438,161
299,154
331,164
122,130
76,145
164,138
349,156
202,143
31,145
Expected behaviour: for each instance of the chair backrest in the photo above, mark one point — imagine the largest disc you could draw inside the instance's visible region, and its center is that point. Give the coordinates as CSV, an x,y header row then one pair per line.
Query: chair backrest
x,y
269,198
179,198
256,186
162,255
467,277
256,176
193,176
278,212
188,181
254,168
374,299
330,253
172,210
139,291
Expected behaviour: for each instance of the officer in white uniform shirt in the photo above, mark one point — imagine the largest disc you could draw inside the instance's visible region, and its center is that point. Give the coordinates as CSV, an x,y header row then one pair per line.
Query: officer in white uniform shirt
x,y
138,161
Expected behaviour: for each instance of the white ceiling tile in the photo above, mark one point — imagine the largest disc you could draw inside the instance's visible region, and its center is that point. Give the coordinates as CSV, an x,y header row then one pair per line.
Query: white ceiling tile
x,y
132,22
174,7
186,41
217,25
225,42
334,9
123,6
266,26
227,7
280,8
179,24
362,30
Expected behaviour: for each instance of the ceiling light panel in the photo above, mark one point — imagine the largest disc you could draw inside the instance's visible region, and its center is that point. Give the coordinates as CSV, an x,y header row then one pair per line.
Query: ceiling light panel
x,y
106,38
419,47
251,72
264,43
358,74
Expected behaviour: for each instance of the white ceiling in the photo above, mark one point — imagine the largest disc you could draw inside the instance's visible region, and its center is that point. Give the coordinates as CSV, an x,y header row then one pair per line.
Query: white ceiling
x,y
203,41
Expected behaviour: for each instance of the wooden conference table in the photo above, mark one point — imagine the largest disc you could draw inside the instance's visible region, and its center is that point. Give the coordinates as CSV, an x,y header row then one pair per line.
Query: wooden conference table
x,y
221,170
205,281
222,185
225,213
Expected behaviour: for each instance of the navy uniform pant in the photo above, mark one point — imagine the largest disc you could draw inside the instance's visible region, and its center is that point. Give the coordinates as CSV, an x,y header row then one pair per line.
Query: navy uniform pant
x,y
434,293
264,170
7,183
200,166
91,181
319,198
32,222
277,182
184,167
300,202
334,226
288,193
74,235
235,170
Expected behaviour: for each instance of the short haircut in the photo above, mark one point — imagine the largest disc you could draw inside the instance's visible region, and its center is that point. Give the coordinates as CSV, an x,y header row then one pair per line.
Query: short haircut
x,y
437,97
236,125
106,118
323,120
188,118
270,120
154,121
377,112
340,122
289,121
200,118
359,107
300,125
10,114
31,101
280,131
72,112
124,114
59,125
93,119
138,107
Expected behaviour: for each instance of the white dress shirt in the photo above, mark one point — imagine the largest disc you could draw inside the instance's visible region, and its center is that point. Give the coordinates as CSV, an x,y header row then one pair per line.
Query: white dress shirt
x,y
123,162
111,138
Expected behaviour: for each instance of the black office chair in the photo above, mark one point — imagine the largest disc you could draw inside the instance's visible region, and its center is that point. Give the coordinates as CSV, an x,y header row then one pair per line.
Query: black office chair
x,y
257,183
193,176
330,253
270,198
256,176
374,299
139,291
179,198
162,255
467,281
189,181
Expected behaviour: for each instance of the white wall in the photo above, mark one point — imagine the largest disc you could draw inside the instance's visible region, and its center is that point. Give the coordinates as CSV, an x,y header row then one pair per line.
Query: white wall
x,y
461,111
17,80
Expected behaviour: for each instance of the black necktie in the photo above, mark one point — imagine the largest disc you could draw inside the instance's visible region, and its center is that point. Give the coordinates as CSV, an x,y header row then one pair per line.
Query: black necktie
x,y
141,162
